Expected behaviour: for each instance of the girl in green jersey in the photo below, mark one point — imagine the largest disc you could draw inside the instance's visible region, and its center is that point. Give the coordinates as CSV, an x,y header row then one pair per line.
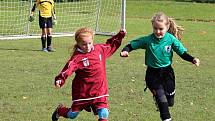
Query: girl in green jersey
x,y
159,47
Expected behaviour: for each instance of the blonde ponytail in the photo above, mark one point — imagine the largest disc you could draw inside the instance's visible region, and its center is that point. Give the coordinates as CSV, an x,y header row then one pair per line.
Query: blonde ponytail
x,y
175,29
73,48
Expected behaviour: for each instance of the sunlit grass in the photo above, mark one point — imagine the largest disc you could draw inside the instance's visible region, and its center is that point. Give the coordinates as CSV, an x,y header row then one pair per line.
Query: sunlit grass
x,y
27,74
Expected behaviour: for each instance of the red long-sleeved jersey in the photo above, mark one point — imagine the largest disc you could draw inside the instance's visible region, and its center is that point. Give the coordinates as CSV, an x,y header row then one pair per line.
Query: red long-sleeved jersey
x,y
90,72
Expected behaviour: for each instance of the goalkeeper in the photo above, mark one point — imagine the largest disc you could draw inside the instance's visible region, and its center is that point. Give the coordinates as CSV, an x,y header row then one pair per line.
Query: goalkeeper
x,y
47,19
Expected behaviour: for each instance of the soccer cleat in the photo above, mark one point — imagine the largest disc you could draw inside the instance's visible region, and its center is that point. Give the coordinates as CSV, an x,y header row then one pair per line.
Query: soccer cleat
x,y
50,49
44,50
55,115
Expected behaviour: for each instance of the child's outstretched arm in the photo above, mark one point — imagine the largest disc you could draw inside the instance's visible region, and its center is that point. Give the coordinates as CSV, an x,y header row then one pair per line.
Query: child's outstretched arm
x,y
125,51
189,58
113,43
67,71
117,38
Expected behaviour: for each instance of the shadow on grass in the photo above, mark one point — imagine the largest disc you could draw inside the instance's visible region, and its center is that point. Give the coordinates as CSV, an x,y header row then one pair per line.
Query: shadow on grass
x,y
14,49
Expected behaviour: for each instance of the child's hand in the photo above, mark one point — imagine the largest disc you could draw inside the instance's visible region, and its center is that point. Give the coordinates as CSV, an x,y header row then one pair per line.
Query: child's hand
x,y
124,30
59,83
124,54
196,61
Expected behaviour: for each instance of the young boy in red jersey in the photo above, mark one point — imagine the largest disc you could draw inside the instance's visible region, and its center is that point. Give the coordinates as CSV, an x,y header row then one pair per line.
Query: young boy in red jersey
x,y
89,86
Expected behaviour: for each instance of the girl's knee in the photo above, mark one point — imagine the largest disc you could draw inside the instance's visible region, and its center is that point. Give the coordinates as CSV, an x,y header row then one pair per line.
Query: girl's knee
x,y
103,113
72,115
170,100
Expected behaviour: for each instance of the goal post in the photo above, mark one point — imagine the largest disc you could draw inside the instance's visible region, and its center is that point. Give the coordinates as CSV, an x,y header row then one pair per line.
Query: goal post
x,y
105,17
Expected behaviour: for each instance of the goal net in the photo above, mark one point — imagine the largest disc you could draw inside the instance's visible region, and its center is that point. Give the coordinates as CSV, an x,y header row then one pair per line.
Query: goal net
x,y
103,16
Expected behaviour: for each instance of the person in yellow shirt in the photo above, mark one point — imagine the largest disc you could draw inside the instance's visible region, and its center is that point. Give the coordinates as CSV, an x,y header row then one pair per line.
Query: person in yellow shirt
x,y
47,18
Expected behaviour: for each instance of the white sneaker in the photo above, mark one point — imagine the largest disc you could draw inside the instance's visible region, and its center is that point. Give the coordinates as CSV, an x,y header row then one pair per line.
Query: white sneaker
x,y
50,49
44,50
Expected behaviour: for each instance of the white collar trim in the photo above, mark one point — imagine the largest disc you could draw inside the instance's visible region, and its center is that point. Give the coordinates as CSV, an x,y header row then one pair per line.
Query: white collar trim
x,y
80,50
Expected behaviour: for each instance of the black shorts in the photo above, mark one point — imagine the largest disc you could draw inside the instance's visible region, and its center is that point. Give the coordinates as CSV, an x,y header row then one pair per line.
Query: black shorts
x,y
45,22
165,77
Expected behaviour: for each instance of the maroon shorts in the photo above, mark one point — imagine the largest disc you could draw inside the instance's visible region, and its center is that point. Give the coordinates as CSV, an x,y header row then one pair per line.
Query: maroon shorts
x,y
90,105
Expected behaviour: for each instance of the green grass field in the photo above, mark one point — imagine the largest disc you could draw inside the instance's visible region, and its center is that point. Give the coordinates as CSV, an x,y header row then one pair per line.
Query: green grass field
x,y
27,92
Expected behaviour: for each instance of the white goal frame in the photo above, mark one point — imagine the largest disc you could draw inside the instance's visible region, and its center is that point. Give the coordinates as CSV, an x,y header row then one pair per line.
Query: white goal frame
x,y
105,17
